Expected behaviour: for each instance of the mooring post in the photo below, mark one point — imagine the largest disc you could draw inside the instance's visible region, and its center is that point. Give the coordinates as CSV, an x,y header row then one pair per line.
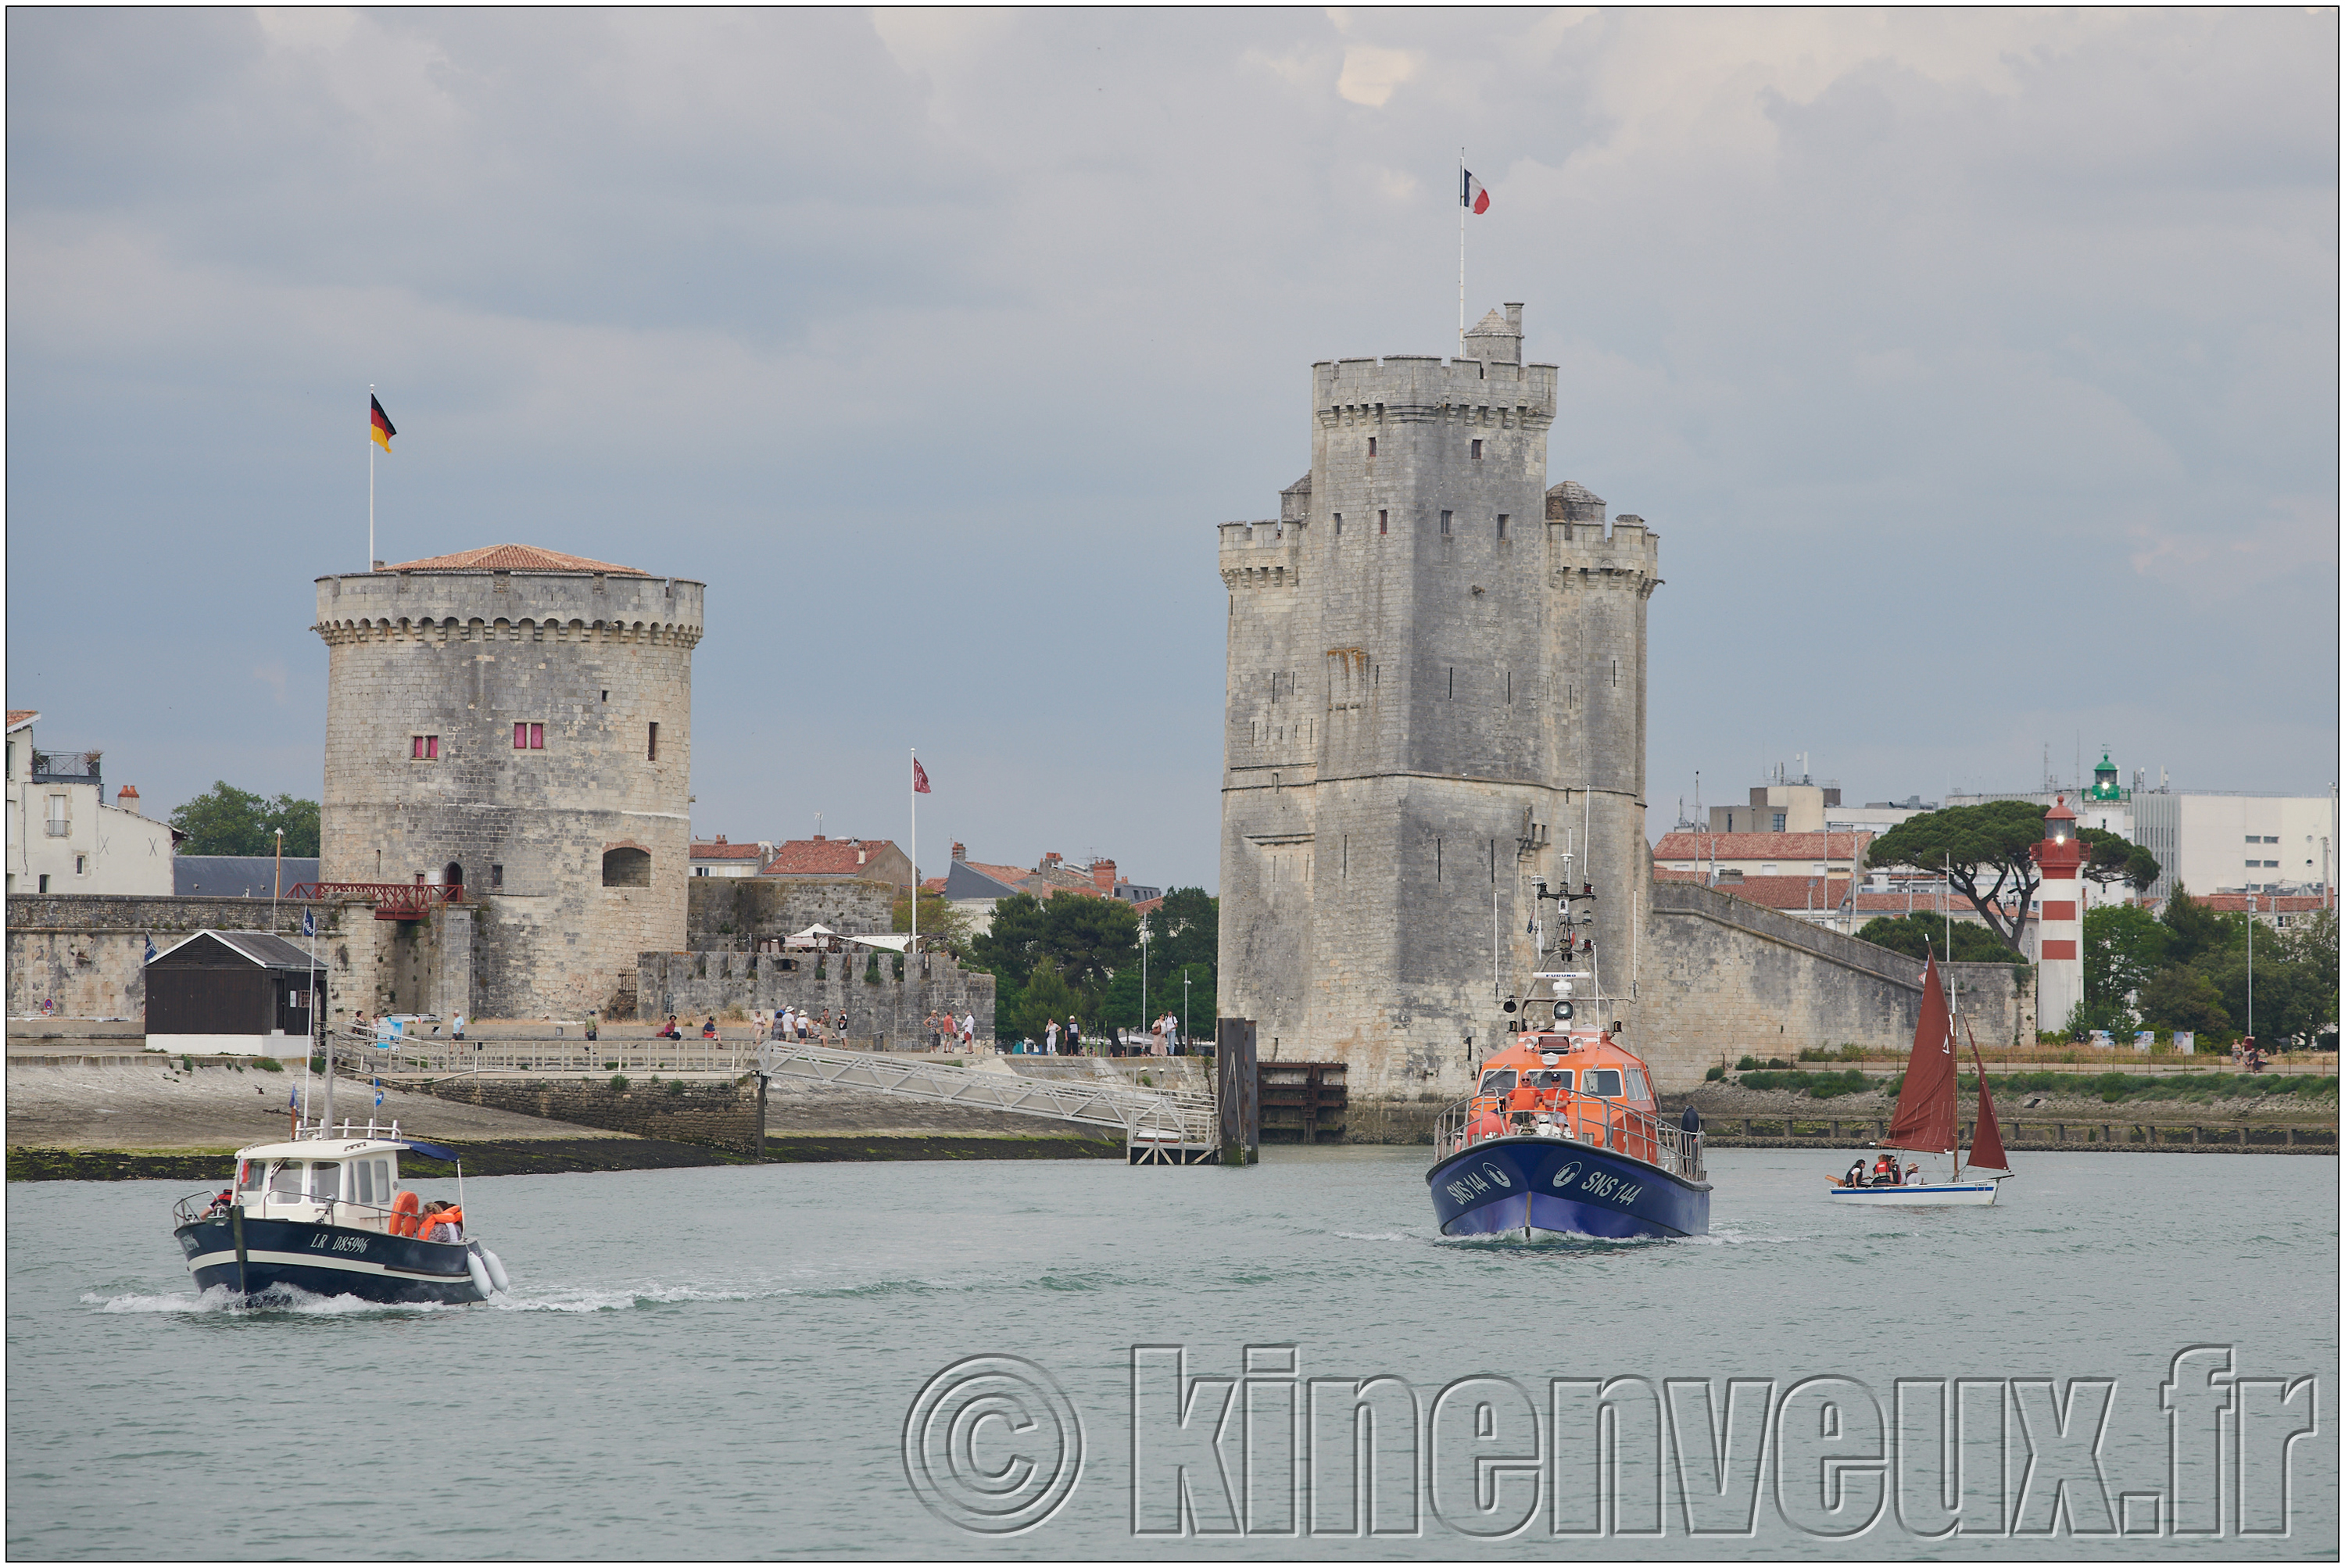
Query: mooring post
x,y
1238,1094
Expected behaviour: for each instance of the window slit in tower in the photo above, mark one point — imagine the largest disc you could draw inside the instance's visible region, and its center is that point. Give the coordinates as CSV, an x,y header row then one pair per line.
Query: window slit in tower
x,y
1437,860
1494,862
1452,680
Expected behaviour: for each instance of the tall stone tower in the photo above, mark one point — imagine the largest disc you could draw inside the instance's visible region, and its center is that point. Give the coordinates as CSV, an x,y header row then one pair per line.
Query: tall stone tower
x,y
1436,683
520,721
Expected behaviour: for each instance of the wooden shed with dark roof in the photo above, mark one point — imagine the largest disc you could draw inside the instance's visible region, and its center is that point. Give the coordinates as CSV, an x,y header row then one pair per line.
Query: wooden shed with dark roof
x,y
234,992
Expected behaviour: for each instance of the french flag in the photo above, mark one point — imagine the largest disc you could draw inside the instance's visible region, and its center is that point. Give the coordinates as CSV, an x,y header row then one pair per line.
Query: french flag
x,y
1472,193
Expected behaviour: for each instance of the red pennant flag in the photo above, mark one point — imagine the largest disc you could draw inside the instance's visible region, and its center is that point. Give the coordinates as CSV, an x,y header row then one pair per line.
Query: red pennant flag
x,y
920,778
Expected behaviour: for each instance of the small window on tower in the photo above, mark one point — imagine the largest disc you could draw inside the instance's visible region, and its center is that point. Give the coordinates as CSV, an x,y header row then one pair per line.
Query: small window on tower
x,y
1384,521
1339,525
529,737
1372,446
1477,450
1502,525
653,752
424,747
496,877
1444,525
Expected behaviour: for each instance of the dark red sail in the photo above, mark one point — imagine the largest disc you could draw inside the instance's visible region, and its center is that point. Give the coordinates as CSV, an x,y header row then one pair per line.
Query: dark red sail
x,y
1987,1138
1924,1120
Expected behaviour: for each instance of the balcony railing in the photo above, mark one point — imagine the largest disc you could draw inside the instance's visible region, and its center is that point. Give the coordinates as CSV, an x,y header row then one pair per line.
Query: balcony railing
x,y
66,766
391,901
60,827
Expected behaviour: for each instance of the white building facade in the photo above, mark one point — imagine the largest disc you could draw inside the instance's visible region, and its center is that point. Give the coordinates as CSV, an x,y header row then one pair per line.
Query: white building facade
x,y
63,838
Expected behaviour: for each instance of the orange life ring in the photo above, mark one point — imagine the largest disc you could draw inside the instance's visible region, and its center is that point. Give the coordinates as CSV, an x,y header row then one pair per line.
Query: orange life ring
x,y
403,1210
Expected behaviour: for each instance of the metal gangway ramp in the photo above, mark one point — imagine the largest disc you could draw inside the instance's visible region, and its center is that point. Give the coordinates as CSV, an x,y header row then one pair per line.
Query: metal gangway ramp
x,y
1159,1126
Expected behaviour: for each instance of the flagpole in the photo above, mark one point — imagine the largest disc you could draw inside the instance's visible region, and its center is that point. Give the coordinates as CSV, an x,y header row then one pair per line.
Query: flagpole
x,y
915,782
370,566
1461,288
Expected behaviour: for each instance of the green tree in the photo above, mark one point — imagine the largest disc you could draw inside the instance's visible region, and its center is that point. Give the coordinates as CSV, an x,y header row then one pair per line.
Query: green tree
x,y
944,927
2295,977
1014,941
1910,934
1983,850
2124,946
2194,928
1185,928
1046,995
2180,997
1090,939
226,820
2111,859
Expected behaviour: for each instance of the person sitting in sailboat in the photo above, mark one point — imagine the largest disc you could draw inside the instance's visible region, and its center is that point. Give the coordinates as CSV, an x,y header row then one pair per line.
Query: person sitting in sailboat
x,y
1855,1176
1884,1172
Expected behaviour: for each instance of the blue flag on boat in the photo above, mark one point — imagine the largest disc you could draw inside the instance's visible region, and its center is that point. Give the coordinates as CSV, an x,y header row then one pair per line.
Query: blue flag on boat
x,y
378,1094
293,1099
309,922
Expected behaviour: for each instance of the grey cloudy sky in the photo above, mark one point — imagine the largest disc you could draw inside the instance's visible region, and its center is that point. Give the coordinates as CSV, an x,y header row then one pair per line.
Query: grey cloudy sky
x,y
1978,369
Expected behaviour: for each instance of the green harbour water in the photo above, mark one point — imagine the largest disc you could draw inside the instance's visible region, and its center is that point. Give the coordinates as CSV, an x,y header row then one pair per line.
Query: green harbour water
x,y
995,1360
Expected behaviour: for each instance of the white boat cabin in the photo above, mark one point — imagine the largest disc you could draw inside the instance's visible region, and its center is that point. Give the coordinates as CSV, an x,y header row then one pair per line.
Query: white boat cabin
x,y
349,1182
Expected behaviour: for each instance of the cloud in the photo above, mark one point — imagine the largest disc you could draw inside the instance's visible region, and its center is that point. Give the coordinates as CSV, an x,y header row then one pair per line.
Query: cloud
x,y
1371,75
937,341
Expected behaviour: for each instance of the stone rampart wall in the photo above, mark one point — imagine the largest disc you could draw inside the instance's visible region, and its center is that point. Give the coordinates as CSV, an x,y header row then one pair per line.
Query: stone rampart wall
x,y
694,984
733,912
1719,977
727,1115
87,952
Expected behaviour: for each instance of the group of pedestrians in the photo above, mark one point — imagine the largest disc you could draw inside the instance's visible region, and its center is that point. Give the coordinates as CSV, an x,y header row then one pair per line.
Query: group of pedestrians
x,y
807,1028
945,1032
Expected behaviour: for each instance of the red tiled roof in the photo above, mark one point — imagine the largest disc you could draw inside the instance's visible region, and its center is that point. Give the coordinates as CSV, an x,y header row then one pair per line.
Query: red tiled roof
x,y
2266,903
1790,892
1756,846
721,851
1014,875
20,716
933,885
824,856
513,558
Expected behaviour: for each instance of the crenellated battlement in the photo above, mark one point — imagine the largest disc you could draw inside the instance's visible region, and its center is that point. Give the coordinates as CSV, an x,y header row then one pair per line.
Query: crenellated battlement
x,y
1262,554
442,630
1419,388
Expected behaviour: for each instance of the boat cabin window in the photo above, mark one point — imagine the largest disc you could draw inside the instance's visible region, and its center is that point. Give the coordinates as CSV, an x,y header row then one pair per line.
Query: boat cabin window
x,y
1636,1090
325,1180
1498,1081
1549,1078
363,1171
285,1180
1603,1081
382,1187
250,1173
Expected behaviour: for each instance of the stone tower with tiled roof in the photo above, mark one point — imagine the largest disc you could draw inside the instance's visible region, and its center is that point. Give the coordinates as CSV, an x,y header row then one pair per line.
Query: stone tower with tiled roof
x,y
520,720
1436,673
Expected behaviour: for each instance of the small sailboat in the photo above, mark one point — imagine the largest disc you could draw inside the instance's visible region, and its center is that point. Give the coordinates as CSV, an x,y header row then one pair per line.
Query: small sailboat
x,y
1924,1122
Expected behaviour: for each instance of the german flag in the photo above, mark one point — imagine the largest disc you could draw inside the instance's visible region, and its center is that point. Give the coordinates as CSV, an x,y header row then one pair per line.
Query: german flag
x,y
381,422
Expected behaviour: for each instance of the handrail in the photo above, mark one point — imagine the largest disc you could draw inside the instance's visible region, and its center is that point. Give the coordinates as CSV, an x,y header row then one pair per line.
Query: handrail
x,y
1621,1129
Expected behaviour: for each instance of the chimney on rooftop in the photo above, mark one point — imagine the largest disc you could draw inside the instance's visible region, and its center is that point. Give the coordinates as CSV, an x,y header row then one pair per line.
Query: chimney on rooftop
x,y
720,838
1051,858
817,838
128,797
960,850
1103,875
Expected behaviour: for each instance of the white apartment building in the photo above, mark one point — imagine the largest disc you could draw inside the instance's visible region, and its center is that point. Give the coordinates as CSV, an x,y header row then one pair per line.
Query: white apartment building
x,y
63,837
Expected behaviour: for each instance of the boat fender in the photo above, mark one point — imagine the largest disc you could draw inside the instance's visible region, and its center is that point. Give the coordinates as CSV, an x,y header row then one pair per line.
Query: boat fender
x,y
403,1210
496,1270
480,1273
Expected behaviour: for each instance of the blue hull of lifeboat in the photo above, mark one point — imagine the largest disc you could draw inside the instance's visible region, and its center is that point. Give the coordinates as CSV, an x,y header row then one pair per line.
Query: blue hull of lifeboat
x,y
326,1261
1508,1186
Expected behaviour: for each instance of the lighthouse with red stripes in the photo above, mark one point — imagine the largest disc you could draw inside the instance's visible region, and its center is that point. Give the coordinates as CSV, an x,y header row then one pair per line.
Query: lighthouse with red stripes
x,y
2059,961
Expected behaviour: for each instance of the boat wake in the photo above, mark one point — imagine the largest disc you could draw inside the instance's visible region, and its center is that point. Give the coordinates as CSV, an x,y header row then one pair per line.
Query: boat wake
x,y
294,1301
